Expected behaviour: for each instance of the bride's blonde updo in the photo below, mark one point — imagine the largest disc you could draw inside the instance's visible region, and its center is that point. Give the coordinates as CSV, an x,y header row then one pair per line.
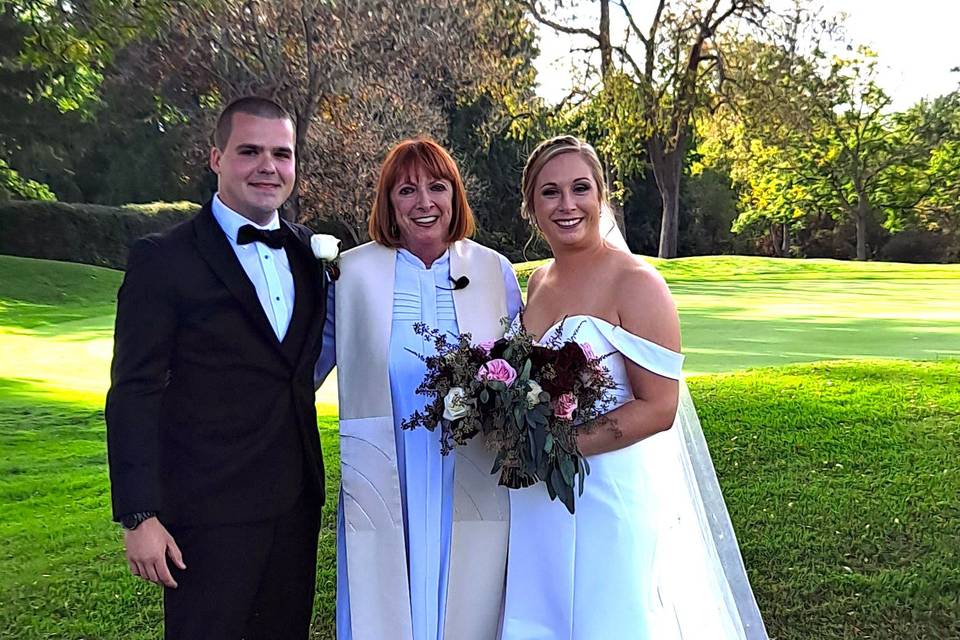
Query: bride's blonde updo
x,y
547,151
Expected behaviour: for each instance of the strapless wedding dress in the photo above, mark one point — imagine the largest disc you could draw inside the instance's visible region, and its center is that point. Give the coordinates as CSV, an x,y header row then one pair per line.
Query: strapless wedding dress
x,y
649,552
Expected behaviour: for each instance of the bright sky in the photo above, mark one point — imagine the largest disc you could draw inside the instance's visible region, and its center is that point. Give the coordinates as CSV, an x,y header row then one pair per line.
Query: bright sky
x,y
914,41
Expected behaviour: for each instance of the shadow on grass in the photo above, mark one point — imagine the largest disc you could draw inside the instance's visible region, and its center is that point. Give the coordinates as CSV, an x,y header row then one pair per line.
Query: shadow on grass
x,y
32,392
62,571
38,293
50,319
718,338
841,479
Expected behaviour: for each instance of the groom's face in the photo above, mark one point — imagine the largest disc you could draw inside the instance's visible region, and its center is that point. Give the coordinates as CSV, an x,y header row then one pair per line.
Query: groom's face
x,y
256,167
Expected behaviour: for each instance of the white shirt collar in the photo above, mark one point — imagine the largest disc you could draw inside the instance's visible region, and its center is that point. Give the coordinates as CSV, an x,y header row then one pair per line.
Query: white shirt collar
x,y
231,221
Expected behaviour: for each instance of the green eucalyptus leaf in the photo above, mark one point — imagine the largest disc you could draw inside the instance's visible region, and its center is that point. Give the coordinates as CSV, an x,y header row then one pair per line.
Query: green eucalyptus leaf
x,y
565,493
567,469
553,482
581,465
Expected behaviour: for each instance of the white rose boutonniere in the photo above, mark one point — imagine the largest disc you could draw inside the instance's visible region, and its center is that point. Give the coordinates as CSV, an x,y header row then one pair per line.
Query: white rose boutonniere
x,y
326,249
533,395
454,407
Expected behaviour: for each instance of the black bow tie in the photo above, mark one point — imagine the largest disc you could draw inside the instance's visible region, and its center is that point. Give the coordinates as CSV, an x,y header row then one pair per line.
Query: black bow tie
x,y
273,238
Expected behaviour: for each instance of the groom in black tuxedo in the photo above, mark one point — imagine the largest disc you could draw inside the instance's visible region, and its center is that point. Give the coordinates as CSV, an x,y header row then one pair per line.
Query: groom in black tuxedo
x,y
215,465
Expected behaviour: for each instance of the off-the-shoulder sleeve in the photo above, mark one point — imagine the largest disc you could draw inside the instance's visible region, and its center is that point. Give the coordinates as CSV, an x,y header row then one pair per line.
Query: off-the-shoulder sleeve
x,y
649,355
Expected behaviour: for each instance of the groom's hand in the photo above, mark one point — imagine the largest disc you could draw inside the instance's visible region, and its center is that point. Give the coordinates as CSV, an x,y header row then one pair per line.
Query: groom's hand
x,y
147,549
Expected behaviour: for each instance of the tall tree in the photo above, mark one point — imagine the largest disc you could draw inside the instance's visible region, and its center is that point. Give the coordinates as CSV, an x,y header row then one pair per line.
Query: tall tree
x,y
826,127
69,44
937,189
52,59
21,115
672,66
479,137
357,77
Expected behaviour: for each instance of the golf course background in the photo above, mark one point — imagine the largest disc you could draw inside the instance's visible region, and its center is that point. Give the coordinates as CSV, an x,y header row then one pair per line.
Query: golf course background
x,y
841,476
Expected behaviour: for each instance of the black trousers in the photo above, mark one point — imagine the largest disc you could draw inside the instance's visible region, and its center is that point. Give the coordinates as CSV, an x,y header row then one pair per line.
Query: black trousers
x,y
246,581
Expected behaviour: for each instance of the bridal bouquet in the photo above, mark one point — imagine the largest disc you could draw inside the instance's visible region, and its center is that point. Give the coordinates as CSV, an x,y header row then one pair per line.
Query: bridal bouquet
x,y
525,399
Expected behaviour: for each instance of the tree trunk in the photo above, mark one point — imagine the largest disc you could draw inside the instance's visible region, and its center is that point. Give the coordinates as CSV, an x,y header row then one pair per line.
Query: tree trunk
x,y
606,64
615,208
606,50
357,235
290,211
785,240
667,168
863,207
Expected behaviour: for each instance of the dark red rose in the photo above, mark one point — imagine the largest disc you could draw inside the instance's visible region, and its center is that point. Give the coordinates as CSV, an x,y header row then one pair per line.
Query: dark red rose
x,y
498,349
541,356
571,358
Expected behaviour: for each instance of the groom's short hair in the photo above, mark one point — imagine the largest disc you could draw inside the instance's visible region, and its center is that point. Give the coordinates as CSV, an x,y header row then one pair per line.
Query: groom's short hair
x,y
251,105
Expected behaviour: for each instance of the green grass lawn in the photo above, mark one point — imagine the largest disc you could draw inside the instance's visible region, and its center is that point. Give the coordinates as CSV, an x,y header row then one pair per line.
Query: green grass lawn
x,y
841,478
738,312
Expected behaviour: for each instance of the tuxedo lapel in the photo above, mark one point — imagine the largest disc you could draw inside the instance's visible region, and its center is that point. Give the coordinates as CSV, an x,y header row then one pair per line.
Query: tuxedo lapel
x,y
311,295
216,251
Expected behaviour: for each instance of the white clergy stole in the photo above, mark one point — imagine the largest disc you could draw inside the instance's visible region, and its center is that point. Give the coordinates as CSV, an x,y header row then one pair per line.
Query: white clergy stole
x,y
373,512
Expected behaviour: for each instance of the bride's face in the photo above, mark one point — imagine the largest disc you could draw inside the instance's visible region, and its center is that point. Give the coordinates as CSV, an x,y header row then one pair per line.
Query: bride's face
x,y
566,202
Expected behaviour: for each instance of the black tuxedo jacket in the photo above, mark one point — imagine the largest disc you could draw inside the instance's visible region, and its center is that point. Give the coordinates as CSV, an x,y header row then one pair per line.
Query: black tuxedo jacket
x,y
210,418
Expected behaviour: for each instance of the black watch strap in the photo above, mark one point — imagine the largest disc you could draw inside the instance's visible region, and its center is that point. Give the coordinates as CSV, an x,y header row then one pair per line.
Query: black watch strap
x,y
133,520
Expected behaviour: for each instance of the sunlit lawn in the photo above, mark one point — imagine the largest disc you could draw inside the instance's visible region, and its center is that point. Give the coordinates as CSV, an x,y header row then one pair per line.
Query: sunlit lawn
x,y
841,478
740,312
736,312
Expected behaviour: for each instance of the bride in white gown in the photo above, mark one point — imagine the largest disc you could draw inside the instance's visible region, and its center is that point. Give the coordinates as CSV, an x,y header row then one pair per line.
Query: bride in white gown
x,y
650,552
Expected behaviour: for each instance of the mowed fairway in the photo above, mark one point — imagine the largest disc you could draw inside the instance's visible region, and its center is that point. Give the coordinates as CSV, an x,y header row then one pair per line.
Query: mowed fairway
x,y
841,478
741,312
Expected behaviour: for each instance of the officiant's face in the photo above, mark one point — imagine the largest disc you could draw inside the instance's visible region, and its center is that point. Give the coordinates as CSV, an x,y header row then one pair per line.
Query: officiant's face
x,y
566,201
256,167
422,208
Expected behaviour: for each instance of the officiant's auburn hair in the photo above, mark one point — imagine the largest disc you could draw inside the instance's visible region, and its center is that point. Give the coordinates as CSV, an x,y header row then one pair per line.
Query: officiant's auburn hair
x,y
252,106
405,159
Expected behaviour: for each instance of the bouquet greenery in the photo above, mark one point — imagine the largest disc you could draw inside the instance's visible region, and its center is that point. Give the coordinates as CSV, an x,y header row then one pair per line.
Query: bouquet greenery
x,y
525,397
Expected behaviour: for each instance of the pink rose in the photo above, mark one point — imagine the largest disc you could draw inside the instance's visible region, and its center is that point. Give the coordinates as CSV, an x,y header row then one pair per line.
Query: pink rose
x,y
564,406
587,351
498,370
486,345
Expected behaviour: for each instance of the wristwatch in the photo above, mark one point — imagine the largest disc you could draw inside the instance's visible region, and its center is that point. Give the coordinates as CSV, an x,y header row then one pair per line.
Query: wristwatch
x,y
133,520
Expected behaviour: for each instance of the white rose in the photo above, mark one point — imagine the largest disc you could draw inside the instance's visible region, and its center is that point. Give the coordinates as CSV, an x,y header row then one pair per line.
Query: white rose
x,y
533,396
325,247
454,407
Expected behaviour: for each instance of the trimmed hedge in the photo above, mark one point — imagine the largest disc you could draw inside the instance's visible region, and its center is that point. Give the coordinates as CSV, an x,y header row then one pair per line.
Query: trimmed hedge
x,y
85,233
922,247
96,234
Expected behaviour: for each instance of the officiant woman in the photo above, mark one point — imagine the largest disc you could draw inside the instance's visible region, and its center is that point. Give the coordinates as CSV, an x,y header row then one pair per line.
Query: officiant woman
x,y
422,537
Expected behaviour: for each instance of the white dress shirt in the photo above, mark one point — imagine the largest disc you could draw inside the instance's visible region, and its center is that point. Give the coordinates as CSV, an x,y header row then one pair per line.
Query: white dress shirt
x,y
268,269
